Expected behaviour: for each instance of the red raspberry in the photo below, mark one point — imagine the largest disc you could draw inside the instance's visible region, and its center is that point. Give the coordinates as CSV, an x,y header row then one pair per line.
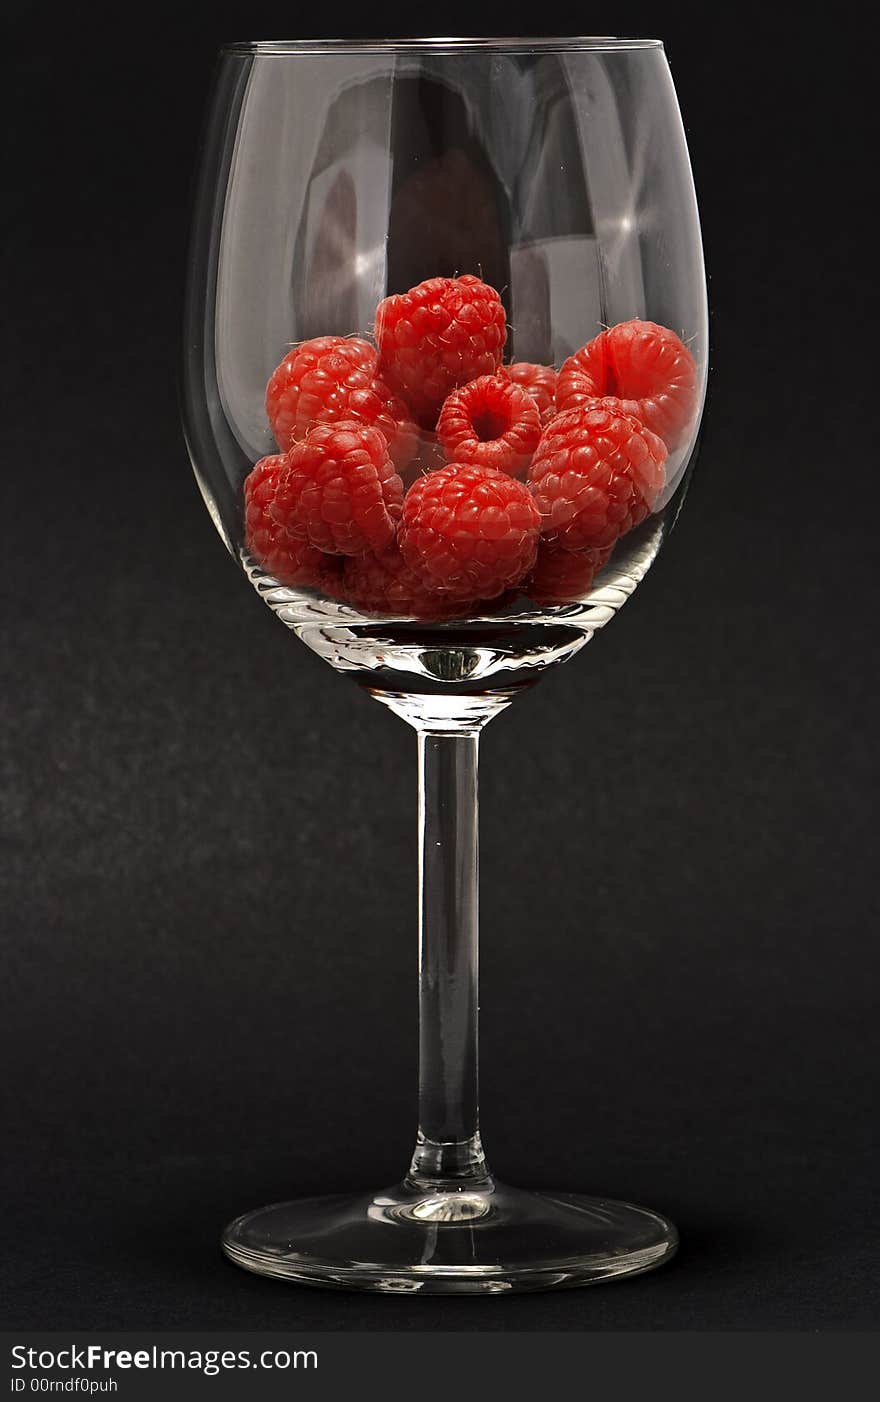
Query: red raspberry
x,y
386,584
438,336
596,474
469,532
338,489
291,561
491,422
646,366
537,380
561,576
331,378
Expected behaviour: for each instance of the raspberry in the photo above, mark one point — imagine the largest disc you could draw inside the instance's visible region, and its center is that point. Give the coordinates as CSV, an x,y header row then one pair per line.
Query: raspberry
x,y
386,584
338,489
596,474
331,378
537,380
492,422
291,561
644,365
561,576
438,336
469,532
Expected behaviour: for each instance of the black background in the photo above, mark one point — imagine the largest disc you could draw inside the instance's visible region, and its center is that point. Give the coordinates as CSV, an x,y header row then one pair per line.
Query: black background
x,y
209,870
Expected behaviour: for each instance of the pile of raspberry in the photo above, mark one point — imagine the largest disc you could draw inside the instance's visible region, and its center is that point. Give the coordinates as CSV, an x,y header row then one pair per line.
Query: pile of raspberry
x,y
420,475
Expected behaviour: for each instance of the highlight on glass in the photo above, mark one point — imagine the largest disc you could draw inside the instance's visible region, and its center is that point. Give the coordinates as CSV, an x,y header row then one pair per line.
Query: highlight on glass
x,y
445,363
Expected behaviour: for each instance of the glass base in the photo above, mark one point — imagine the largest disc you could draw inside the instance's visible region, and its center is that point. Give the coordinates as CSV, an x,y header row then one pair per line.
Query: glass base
x,y
451,1241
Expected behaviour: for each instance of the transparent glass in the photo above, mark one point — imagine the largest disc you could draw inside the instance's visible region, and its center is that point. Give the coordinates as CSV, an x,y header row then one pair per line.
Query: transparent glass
x,y
336,174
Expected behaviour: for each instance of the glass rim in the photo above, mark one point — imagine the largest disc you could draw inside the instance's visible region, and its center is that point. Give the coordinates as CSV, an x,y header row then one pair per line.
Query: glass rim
x,y
443,44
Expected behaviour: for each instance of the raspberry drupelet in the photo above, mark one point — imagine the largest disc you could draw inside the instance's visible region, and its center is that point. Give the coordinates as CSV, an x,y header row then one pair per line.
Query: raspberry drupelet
x,y
437,336
469,532
290,560
595,475
537,380
339,491
491,422
646,367
331,378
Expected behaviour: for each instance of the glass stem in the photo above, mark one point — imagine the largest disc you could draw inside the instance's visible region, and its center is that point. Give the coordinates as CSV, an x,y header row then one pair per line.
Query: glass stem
x,y
448,1151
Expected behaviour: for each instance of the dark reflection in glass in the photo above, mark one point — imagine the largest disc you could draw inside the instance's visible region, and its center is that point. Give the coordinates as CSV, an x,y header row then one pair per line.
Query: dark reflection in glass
x,y
450,210
471,189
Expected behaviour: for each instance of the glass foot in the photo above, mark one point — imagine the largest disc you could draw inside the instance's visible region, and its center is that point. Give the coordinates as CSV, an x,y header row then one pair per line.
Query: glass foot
x,y
487,1240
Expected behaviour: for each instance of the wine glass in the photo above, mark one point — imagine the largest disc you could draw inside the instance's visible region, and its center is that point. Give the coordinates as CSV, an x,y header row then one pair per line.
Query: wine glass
x,y
446,352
